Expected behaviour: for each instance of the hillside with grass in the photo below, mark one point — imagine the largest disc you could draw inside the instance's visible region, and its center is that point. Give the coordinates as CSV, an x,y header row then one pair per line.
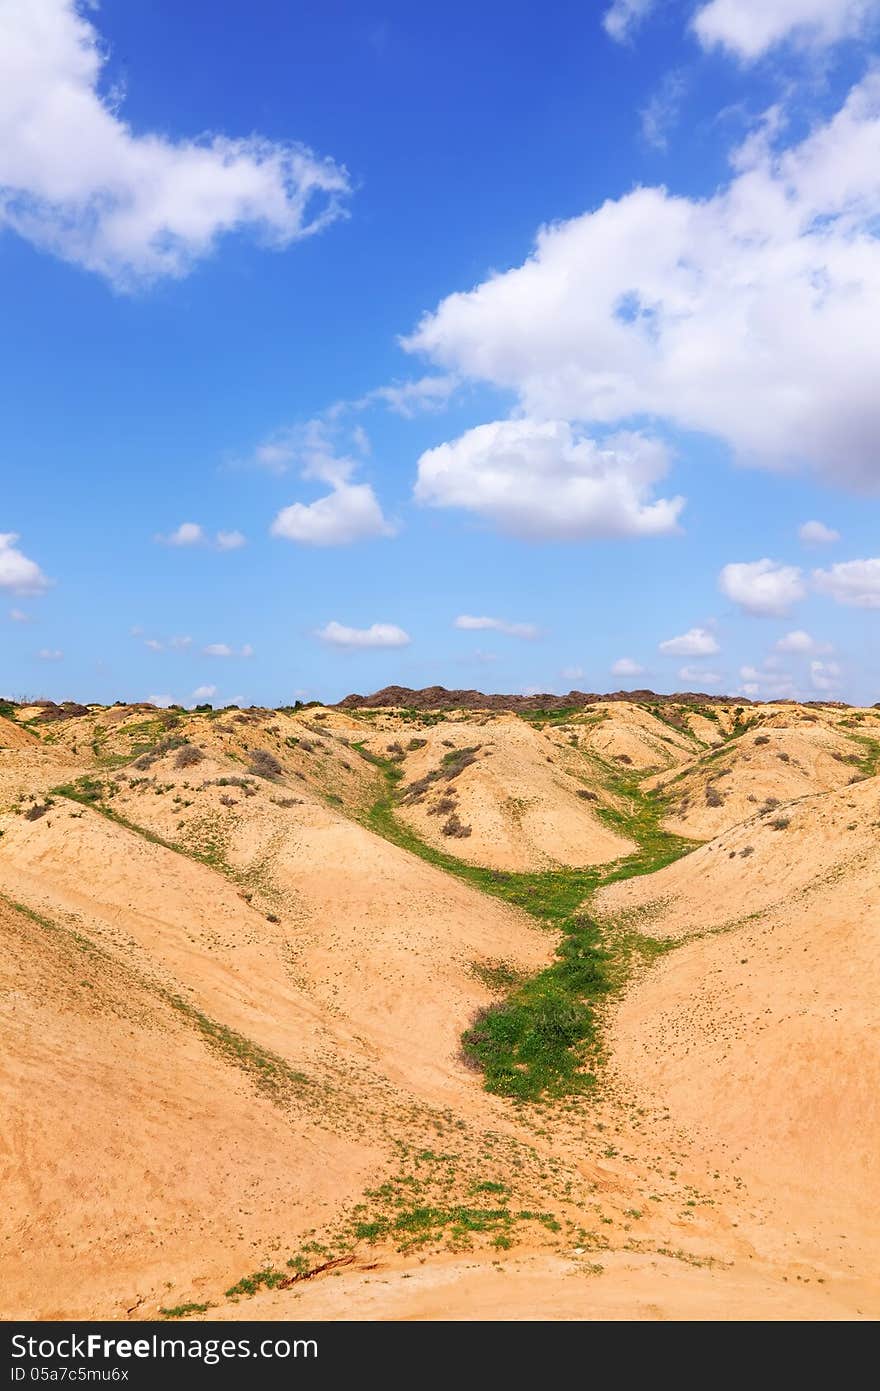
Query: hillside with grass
x,y
354,1009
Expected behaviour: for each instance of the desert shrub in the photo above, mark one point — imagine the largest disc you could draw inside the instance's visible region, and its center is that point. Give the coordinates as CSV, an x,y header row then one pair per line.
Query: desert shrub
x,y
226,801
621,758
779,823
287,801
415,744
763,739
396,751
264,764
784,757
442,807
187,756
166,745
38,809
713,796
770,803
586,794
454,827
746,851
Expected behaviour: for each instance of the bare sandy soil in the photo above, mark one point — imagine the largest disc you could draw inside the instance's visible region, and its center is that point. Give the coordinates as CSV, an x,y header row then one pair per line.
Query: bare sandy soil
x,y
231,1013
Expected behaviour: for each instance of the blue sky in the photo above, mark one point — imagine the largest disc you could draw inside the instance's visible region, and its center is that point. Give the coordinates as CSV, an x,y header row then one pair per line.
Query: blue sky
x,y
295,403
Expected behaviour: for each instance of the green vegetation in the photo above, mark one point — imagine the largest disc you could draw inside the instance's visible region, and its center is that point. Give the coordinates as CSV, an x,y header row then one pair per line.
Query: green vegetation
x,y
7,710
182,1311
534,1043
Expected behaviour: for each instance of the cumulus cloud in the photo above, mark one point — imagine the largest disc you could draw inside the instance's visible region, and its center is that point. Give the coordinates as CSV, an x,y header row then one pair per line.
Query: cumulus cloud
x,y
541,481
625,666
817,534
801,642
749,28
17,572
498,625
707,679
825,676
696,642
350,511
229,540
204,692
853,582
78,181
762,587
749,315
377,635
223,649
50,654
412,398
623,17
194,534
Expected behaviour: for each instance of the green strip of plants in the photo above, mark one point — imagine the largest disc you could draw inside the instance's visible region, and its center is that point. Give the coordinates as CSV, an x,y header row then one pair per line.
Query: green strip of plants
x,y
533,1044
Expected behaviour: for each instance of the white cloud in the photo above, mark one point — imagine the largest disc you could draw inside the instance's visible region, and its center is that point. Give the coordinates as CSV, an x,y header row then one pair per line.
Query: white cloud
x,y
229,540
162,701
218,649
187,534
625,666
180,642
707,679
412,398
853,582
825,676
538,480
498,625
817,534
799,641
19,616
751,689
663,109
750,674
154,644
377,635
50,654
194,534
624,16
696,642
749,315
18,573
76,180
204,692
350,513
762,587
749,28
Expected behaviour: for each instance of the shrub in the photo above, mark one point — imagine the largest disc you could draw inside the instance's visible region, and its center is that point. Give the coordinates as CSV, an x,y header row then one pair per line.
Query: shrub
x,y
747,850
187,756
586,795
763,739
441,808
226,801
415,744
779,823
454,827
264,764
37,810
713,796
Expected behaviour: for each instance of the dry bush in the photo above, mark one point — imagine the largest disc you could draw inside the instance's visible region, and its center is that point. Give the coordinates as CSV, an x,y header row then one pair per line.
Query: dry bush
x,y
586,794
713,796
454,827
264,764
763,739
187,756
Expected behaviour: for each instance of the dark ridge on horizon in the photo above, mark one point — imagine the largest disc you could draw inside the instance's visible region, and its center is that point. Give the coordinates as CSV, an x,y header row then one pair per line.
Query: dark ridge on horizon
x,y
439,698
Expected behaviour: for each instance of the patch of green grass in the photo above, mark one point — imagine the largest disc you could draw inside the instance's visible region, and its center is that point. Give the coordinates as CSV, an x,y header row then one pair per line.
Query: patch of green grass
x,y
183,1311
271,1074
534,1043
267,1279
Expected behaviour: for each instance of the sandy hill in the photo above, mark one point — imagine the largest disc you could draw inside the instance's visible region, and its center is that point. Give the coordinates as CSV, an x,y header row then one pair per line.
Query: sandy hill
x,y
237,972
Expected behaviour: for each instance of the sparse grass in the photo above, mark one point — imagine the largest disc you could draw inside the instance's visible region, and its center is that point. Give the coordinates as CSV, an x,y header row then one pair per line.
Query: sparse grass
x,y
183,1311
